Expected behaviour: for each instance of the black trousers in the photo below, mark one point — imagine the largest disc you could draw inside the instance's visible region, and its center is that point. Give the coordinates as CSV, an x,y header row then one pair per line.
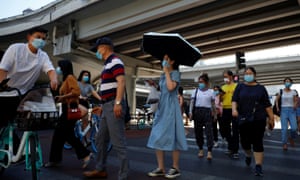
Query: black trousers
x,y
215,128
65,133
230,127
252,134
203,118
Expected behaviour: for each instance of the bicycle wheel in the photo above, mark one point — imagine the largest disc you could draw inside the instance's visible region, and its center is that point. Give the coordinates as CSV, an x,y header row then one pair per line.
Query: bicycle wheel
x,y
93,142
33,157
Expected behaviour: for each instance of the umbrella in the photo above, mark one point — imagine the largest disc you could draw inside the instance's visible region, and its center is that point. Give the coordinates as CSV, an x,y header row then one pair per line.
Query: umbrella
x,y
159,44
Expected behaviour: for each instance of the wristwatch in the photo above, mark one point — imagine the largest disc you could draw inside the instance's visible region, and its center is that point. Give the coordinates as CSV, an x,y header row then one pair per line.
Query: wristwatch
x,y
118,102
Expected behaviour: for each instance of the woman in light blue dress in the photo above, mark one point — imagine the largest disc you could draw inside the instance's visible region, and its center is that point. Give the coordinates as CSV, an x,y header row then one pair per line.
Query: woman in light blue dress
x,y
168,130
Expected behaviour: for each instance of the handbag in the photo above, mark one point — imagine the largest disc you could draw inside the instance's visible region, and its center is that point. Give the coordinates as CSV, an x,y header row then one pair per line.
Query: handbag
x,y
74,112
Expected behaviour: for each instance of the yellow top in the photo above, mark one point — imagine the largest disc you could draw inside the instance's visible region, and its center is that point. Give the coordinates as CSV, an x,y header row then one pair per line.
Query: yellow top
x,y
227,97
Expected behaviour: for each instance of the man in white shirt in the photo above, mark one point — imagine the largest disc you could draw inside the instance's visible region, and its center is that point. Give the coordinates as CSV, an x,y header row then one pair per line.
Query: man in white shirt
x,y
22,63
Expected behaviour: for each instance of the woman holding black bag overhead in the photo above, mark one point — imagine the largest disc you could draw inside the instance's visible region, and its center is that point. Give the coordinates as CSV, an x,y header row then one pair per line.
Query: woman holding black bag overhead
x,y
69,97
250,103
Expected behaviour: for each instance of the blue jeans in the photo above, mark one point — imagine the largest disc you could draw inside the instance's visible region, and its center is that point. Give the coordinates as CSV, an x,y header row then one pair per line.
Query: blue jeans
x,y
288,114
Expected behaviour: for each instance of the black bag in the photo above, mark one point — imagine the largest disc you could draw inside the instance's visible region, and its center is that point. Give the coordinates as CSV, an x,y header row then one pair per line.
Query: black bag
x,y
194,104
279,105
127,117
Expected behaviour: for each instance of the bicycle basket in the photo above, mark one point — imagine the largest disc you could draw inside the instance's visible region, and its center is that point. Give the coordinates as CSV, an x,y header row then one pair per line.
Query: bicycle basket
x,y
37,111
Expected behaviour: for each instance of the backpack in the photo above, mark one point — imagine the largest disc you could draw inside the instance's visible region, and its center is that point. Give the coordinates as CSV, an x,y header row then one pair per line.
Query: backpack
x,y
279,105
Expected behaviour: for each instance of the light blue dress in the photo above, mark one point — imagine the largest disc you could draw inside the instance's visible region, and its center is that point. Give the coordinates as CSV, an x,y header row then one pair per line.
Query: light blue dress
x,y
168,131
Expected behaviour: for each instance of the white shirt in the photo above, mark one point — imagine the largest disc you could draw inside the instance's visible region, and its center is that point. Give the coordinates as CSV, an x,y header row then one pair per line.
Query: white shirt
x,y
287,98
204,98
24,67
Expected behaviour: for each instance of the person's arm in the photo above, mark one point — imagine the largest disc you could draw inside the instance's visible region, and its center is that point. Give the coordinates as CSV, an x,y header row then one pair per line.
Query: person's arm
x,y
295,100
3,75
120,92
96,95
171,84
180,101
271,123
234,109
277,102
53,79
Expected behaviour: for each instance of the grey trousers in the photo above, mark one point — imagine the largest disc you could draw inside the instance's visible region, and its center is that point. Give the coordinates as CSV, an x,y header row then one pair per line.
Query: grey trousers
x,y
113,130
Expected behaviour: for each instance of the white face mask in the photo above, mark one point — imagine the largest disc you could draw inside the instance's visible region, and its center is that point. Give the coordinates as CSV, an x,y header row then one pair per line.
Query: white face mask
x,y
226,80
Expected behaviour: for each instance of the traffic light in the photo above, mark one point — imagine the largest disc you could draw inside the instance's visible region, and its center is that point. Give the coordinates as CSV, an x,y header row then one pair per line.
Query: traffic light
x,y
240,60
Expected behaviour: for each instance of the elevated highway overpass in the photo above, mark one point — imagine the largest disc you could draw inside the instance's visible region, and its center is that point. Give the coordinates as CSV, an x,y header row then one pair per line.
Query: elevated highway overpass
x,y
217,28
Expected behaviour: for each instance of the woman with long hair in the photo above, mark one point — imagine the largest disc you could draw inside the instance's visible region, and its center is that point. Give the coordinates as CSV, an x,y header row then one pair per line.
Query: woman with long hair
x,y
69,96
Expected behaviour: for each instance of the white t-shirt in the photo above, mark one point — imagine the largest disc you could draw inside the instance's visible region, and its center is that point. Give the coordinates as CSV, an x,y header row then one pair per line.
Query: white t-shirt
x,y
287,98
204,98
24,67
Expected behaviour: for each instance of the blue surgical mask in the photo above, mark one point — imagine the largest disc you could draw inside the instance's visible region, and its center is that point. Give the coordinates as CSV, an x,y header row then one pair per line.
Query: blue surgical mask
x,y
58,71
85,78
249,78
98,55
216,92
201,85
38,43
287,84
165,63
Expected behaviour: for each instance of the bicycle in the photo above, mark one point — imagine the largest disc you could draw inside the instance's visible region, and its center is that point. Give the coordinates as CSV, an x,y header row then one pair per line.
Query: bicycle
x,y
144,118
88,134
29,122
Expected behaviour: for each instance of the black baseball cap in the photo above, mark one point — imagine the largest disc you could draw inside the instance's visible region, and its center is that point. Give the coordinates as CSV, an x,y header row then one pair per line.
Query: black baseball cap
x,y
102,41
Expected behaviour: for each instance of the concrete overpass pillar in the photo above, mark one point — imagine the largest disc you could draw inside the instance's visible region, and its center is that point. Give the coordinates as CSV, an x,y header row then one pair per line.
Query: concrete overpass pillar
x,y
131,92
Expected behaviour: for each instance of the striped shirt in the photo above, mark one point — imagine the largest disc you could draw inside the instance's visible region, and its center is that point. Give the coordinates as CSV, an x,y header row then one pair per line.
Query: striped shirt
x,y
113,67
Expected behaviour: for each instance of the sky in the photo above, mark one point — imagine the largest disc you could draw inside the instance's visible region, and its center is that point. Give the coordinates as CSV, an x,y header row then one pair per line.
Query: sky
x,y
15,7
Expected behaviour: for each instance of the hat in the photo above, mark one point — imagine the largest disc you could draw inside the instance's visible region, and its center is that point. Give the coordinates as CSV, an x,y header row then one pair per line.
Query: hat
x,y
102,41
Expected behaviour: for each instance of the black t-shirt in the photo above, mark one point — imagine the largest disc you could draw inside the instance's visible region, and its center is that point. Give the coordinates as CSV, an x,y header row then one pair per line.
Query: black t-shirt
x,y
249,98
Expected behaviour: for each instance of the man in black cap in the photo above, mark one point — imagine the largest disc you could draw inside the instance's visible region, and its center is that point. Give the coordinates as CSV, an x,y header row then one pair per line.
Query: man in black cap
x,y
112,125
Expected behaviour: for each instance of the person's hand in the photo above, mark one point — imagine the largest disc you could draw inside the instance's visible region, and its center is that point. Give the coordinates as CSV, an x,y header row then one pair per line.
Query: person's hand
x,y
118,110
166,69
271,123
53,84
235,113
58,98
97,111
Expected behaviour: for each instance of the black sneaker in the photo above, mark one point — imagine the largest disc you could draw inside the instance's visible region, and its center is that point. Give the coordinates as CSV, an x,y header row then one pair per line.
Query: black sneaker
x,y
258,171
248,161
173,173
156,172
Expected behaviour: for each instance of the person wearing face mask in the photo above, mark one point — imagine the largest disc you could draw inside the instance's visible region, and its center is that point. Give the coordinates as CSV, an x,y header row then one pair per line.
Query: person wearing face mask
x,y
112,126
202,111
69,96
219,109
167,132
86,91
22,64
229,124
251,106
287,112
